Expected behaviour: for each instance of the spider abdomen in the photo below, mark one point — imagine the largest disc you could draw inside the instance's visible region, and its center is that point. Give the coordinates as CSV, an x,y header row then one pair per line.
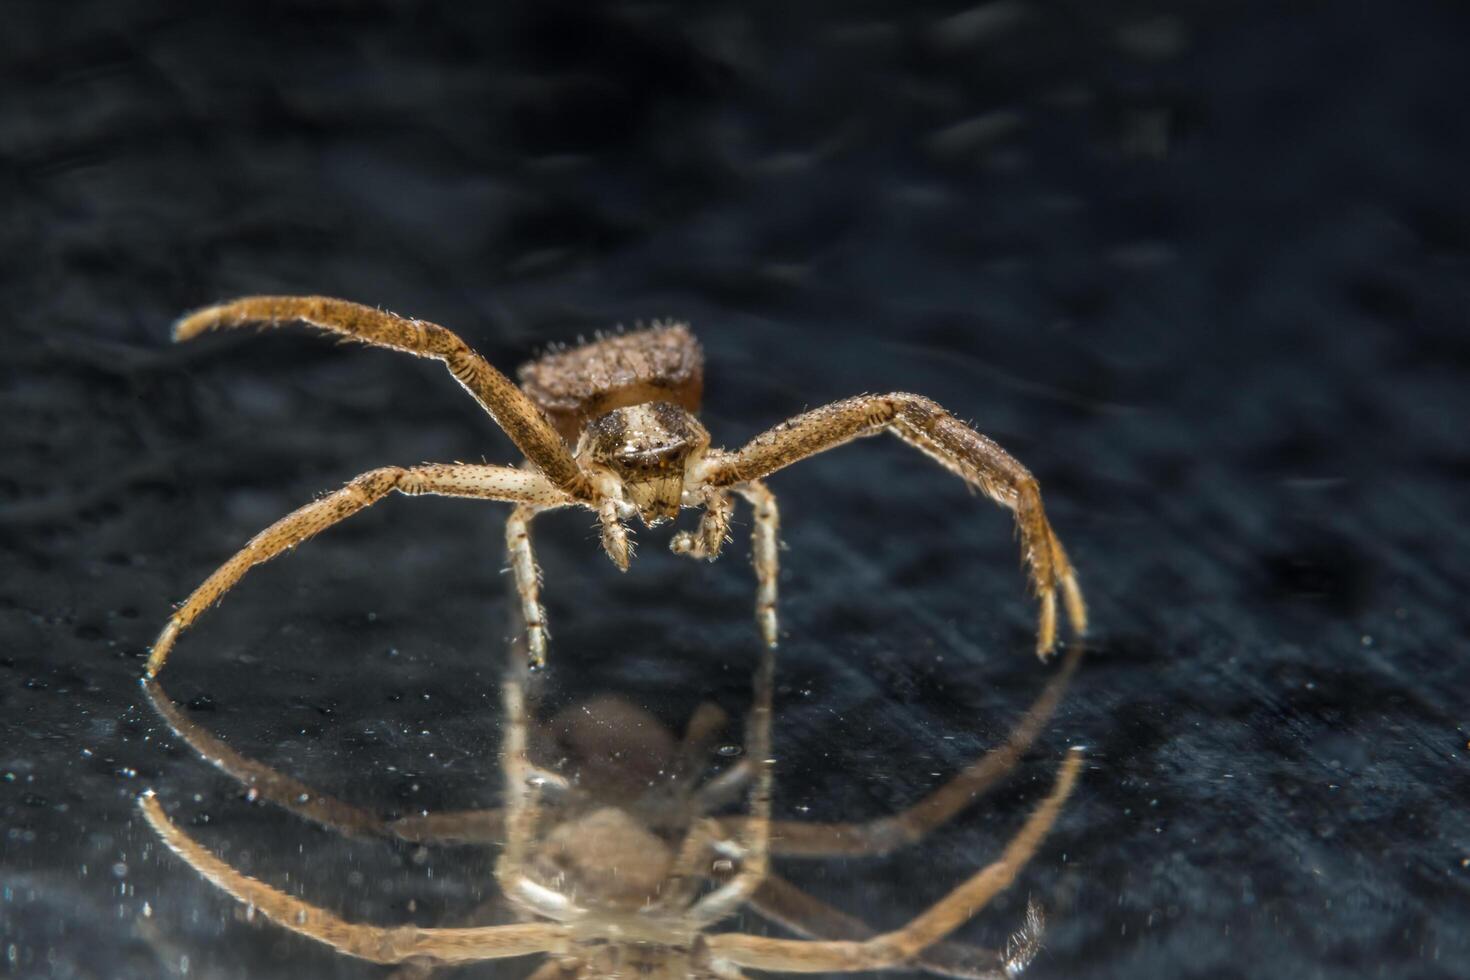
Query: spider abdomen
x,y
574,386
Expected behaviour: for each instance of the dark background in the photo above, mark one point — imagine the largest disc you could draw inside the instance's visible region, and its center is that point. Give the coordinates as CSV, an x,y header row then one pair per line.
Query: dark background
x,y
1202,267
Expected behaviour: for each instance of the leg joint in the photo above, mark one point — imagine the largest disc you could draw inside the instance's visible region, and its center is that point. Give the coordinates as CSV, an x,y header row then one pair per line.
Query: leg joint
x,y
375,483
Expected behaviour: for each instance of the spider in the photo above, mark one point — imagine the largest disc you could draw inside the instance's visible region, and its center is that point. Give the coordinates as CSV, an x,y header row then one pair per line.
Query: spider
x,y
610,426
613,874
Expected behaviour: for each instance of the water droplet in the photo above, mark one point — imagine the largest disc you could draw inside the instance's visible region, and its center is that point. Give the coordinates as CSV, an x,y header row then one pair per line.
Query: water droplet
x,y
729,751
119,870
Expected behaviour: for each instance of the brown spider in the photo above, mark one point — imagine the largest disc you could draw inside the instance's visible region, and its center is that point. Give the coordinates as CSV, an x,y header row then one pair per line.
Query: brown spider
x,y
613,874
610,426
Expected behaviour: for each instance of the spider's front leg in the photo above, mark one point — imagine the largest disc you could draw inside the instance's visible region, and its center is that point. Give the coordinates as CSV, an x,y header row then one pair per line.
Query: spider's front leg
x,y
904,944
765,543
379,944
446,479
528,580
525,423
976,459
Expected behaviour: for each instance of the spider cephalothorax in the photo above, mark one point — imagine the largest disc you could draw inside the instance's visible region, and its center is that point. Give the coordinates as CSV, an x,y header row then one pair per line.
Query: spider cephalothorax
x,y
650,448
609,426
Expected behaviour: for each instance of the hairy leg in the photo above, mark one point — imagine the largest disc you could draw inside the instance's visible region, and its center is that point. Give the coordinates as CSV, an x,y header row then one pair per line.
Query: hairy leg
x,y
522,799
753,838
494,910
452,479
449,479
511,409
942,918
265,783
528,580
765,547
976,459
779,901
791,838
376,943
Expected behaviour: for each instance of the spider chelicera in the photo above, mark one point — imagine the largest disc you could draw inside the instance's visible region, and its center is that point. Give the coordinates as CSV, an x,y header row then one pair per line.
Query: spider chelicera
x,y
610,426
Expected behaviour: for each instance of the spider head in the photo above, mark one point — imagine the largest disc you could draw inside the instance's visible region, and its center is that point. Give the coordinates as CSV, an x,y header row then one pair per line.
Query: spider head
x,y
649,447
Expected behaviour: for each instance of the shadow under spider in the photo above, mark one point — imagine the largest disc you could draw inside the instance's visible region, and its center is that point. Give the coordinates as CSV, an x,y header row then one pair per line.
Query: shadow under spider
x,y
611,874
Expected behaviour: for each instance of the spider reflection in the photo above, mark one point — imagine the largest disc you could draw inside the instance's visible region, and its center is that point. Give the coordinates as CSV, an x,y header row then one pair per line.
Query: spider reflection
x,y
622,869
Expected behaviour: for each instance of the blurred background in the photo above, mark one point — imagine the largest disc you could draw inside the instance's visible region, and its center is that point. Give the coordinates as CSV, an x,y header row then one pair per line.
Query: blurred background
x,y
1201,266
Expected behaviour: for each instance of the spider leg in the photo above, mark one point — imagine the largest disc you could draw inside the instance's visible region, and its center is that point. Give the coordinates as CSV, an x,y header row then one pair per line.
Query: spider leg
x,y
495,910
264,782
791,838
449,479
523,784
765,546
779,901
692,755
942,918
451,827
714,528
510,407
976,459
754,836
690,869
528,580
376,943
